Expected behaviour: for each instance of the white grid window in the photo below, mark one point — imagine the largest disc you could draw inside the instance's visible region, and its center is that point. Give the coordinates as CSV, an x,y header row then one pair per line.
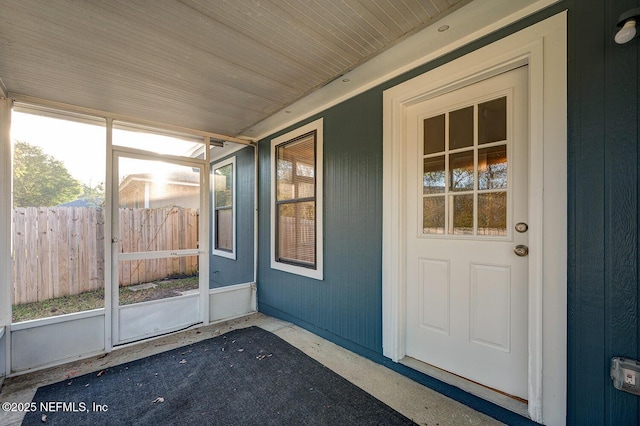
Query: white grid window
x,y
296,208
224,201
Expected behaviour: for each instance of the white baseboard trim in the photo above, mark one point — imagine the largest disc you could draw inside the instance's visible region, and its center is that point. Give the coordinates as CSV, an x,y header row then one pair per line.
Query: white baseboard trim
x,y
230,302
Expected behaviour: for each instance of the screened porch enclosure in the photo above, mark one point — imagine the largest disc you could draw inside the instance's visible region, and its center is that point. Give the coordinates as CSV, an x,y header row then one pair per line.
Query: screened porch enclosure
x,y
119,247
58,217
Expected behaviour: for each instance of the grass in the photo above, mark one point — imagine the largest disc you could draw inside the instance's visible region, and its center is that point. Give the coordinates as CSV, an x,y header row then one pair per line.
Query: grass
x,y
168,287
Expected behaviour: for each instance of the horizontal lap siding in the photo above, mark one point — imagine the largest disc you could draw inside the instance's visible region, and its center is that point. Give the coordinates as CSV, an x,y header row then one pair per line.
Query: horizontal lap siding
x,y
603,188
347,303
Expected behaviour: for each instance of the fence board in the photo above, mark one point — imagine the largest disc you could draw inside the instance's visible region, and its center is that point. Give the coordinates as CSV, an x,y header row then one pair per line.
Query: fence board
x,y
59,251
192,232
45,290
19,257
64,286
74,258
54,250
31,229
92,241
124,268
98,277
162,242
88,234
175,237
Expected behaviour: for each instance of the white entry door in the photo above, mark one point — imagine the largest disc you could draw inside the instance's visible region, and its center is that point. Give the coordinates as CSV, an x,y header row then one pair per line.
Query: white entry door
x,y
466,253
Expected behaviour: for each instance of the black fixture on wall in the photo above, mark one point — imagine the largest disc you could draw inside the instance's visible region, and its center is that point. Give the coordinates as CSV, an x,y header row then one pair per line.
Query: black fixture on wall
x,y
628,24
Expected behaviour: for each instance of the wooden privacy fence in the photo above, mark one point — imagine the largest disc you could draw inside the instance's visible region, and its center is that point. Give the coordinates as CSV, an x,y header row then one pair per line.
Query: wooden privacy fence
x,y
143,230
59,251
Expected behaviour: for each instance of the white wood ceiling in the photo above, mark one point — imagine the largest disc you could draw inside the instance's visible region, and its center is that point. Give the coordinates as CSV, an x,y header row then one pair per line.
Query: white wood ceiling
x,y
213,65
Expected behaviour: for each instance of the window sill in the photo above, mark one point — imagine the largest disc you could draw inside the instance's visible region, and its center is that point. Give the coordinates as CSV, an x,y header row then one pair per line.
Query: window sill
x,y
316,274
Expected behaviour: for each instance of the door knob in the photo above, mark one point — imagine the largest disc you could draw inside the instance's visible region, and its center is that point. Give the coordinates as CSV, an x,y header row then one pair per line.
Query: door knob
x,y
521,250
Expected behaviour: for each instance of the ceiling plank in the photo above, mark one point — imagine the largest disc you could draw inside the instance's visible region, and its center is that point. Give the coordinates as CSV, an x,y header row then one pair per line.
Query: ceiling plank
x,y
215,65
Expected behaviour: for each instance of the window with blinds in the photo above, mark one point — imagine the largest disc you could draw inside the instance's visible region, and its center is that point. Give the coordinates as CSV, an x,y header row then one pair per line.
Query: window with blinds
x,y
223,183
296,187
296,201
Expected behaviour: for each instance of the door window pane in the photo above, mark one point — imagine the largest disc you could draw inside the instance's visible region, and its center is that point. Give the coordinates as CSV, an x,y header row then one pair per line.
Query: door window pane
x,y
433,180
492,121
433,215
434,134
461,171
492,167
461,211
492,214
461,128
474,196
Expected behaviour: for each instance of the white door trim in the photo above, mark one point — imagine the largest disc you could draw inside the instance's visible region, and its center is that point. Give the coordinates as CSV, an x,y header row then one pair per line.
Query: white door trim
x,y
543,48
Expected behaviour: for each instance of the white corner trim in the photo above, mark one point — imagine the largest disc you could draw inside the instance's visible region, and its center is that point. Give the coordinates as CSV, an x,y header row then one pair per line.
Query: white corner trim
x,y
543,48
318,272
467,24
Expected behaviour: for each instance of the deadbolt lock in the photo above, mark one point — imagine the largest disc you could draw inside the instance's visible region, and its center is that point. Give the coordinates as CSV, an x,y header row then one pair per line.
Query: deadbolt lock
x,y
521,227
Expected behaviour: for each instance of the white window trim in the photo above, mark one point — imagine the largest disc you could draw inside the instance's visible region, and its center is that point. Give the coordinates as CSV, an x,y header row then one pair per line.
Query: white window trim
x,y
214,250
318,272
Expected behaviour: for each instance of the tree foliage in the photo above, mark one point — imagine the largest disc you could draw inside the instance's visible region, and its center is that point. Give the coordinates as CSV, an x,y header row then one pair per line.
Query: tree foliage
x,y
39,179
93,195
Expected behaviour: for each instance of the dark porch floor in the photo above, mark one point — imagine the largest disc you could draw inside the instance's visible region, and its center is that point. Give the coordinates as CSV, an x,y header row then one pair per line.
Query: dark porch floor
x,y
419,403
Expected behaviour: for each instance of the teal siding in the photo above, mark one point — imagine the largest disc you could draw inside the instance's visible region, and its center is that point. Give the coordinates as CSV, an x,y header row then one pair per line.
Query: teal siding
x,y
603,291
603,212
347,305
347,302
223,271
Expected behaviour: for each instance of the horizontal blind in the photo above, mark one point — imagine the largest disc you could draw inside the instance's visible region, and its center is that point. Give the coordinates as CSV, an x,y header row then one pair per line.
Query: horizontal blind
x,y
296,201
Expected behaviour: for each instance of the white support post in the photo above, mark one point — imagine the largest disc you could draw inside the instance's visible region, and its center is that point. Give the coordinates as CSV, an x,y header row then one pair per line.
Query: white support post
x,y
5,228
109,310
205,227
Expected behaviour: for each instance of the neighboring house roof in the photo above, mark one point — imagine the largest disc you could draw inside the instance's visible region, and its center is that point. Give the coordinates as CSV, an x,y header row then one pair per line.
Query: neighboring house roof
x,y
174,178
81,203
